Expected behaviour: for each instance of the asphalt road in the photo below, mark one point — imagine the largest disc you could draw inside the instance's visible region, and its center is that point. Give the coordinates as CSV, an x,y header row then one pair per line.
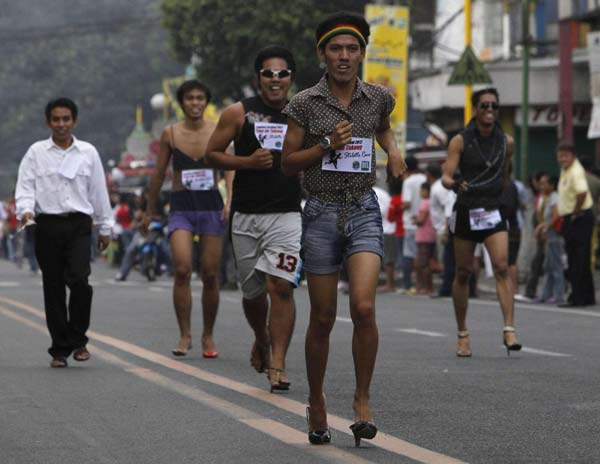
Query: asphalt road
x,y
135,403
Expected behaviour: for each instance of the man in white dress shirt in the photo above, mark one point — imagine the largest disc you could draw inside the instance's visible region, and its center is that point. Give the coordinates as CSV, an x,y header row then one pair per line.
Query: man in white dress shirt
x,y
62,189
411,200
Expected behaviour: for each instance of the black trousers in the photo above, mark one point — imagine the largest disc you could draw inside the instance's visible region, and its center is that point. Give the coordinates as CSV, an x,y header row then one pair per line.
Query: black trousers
x,y
578,243
536,270
62,248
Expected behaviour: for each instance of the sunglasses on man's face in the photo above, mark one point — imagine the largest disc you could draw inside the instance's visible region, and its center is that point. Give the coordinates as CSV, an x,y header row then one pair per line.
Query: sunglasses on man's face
x,y
280,74
486,105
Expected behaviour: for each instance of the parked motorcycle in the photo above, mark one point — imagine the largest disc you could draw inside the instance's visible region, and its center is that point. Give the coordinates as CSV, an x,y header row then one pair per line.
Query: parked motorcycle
x,y
150,251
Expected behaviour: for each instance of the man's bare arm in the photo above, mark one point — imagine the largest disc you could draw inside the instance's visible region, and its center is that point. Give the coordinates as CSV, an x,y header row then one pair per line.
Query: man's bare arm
x,y
228,127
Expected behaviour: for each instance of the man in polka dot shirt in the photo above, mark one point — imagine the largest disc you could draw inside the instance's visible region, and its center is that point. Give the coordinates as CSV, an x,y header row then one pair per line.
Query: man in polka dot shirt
x,y
330,137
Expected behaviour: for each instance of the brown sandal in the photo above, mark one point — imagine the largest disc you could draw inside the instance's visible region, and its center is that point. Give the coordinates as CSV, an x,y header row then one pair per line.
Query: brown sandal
x,y
58,361
464,349
81,354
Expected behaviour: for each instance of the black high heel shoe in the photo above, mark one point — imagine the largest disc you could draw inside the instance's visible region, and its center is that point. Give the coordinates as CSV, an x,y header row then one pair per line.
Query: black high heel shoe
x,y
317,437
363,429
512,347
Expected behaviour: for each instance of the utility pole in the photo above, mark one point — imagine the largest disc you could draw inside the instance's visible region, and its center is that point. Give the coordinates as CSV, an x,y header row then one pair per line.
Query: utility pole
x,y
525,95
468,87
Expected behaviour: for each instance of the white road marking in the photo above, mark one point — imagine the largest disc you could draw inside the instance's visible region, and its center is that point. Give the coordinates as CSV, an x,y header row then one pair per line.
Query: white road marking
x,y
7,283
343,319
422,332
545,352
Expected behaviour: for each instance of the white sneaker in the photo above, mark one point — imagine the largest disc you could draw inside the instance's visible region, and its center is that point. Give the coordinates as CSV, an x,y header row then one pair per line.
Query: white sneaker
x,y
523,298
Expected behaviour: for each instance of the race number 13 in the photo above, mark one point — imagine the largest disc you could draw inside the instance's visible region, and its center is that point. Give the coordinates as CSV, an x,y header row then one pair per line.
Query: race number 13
x,y
287,262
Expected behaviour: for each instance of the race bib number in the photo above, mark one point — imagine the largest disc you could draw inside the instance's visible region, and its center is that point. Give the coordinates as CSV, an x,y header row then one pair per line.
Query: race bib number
x,y
198,179
480,219
354,157
270,135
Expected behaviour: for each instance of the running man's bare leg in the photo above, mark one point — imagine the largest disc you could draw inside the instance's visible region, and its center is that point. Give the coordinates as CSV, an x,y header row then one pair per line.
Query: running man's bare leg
x,y
497,247
181,250
211,247
463,252
256,311
363,273
322,290
282,317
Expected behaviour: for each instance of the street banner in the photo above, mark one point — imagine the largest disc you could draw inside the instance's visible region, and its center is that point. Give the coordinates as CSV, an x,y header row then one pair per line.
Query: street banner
x,y
386,62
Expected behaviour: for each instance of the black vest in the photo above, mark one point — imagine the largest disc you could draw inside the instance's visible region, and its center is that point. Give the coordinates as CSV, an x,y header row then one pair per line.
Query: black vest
x,y
482,167
262,191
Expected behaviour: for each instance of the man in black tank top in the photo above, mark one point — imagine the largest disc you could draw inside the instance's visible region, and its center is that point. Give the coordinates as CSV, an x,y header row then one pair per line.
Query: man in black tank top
x,y
266,223
482,153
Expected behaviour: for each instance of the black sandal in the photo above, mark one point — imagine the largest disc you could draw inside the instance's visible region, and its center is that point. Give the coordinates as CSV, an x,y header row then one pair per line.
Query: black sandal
x,y
317,437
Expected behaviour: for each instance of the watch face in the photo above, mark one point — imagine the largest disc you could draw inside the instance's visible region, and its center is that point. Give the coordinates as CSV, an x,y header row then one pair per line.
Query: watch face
x,y
325,143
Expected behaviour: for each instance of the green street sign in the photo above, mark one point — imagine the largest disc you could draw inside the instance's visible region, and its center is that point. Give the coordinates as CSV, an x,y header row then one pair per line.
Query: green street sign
x,y
469,70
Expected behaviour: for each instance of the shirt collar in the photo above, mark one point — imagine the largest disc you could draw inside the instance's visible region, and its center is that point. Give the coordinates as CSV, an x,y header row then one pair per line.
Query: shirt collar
x,y
322,89
74,146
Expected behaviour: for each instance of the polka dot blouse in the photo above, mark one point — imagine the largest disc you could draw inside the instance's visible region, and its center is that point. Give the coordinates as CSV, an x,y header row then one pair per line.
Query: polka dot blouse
x,y
318,111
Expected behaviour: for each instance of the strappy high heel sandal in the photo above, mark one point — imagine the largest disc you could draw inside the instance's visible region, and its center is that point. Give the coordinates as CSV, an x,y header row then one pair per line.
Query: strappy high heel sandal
x,y
516,346
275,380
463,349
317,437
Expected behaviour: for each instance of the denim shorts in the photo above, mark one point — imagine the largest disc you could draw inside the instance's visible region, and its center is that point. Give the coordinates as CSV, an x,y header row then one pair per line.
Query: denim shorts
x,y
325,244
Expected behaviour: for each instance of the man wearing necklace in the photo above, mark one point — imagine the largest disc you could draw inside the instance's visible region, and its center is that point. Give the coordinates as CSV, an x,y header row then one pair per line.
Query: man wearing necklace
x,y
330,137
196,209
483,153
265,225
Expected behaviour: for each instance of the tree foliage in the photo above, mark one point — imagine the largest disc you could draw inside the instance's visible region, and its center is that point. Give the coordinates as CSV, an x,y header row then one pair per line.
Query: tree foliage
x,y
224,35
107,60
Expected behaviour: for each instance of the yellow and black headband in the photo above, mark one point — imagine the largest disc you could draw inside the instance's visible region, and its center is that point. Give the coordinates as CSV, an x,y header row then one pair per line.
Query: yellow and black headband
x,y
342,29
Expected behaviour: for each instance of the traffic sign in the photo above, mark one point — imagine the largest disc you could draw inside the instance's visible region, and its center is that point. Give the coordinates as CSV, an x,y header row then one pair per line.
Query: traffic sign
x,y
469,70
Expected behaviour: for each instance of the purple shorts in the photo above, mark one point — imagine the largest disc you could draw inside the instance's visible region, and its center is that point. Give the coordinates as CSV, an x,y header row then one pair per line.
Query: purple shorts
x,y
197,222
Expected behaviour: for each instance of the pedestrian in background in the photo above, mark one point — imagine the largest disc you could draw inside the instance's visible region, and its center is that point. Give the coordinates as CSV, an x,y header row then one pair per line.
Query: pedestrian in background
x,y
411,199
536,265
547,229
442,202
425,239
395,216
61,184
593,180
575,208
389,240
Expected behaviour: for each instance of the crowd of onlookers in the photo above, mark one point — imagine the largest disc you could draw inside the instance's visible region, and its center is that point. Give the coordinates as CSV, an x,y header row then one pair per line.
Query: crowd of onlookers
x,y
415,210
16,245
